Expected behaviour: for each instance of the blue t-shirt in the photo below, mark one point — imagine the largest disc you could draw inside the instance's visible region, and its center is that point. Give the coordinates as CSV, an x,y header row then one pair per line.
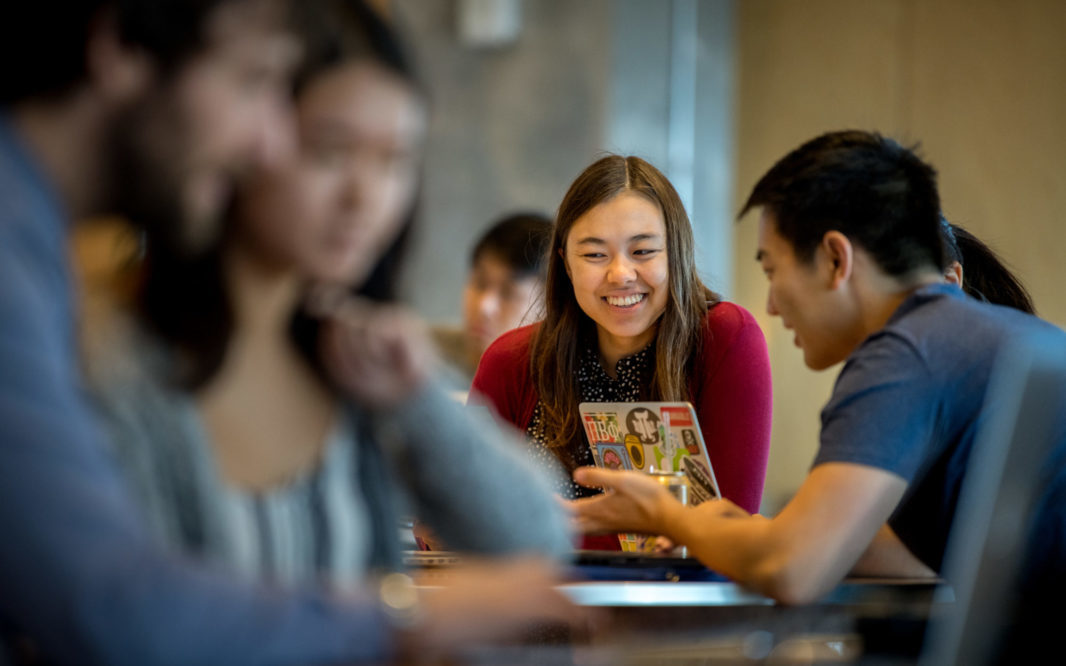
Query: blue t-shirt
x,y
909,401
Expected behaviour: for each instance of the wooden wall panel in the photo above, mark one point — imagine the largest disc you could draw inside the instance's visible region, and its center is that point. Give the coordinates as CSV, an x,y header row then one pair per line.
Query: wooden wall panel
x,y
978,82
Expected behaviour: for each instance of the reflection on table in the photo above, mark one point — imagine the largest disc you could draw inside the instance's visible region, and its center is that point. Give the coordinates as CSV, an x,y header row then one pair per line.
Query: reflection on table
x,y
675,622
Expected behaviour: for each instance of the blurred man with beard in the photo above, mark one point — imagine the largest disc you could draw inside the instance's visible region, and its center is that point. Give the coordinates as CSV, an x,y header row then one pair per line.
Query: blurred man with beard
x,y
146,110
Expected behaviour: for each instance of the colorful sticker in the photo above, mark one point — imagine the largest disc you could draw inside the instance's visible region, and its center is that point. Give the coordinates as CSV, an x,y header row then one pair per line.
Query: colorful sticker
x,y
677,417
631,543
675,460
688,437
636,451
613,456
700,485
603,427
671,448
644,423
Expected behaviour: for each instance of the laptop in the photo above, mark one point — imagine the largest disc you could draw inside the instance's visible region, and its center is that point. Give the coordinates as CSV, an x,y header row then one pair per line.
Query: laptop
x,y
650,437
603,565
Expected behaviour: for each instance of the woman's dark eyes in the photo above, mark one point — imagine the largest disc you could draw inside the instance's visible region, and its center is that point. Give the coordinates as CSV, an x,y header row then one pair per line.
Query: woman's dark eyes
x,y
644,252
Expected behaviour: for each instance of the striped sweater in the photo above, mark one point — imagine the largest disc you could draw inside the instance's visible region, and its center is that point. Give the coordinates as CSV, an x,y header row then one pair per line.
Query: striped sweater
x,y
452,467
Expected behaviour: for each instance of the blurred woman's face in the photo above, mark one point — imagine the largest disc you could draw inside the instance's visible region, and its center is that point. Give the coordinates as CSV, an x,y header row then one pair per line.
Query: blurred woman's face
x,y
496,299
331,206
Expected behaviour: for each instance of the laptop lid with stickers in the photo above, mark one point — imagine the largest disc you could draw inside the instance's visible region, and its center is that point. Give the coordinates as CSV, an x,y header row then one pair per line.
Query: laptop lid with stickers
x,y
651,437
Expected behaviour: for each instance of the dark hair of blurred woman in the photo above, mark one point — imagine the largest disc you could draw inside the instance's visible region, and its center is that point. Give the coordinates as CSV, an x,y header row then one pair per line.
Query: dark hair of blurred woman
x,y
183,296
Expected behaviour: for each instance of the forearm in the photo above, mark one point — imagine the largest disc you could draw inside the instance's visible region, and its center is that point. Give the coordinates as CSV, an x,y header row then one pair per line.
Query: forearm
x,y
808,547
471,481
737,547
760,553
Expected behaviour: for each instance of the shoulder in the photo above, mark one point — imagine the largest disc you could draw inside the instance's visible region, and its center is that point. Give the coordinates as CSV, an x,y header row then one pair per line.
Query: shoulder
x,y
726,317
733,349
887,407
503,376
936,314
728,324
124,364
922,335
34,276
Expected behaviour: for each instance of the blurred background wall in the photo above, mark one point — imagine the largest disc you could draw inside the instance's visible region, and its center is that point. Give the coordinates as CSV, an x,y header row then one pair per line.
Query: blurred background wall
x,y
514,121
980,83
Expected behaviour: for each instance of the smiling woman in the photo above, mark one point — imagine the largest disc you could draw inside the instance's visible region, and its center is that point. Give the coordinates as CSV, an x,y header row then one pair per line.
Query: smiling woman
x,y
627,318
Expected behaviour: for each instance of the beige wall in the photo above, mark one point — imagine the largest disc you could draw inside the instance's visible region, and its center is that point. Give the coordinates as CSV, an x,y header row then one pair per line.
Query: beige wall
x,y
982,85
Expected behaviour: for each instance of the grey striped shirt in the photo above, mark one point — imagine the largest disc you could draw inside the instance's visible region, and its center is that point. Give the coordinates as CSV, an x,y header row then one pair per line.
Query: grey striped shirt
x,y
314,526
457,470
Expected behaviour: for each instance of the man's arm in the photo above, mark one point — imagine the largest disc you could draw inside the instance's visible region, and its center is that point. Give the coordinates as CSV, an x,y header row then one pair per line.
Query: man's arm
x,y
796,557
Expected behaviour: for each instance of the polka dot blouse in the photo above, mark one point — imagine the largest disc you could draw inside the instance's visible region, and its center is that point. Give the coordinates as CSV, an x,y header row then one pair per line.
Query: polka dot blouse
x,y
594,385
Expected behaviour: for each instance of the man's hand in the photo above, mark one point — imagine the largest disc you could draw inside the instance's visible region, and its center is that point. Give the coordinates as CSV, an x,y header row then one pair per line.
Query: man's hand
x,y
632,502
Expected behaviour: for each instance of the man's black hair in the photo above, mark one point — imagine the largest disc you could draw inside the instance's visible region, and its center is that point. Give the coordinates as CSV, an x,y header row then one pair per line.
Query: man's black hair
x,y
880,195
43,45
520,240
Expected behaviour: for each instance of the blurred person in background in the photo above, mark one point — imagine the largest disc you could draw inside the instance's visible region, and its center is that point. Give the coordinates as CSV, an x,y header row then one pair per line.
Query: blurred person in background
x,y
266,420
149,110
627,318
976,267
504,288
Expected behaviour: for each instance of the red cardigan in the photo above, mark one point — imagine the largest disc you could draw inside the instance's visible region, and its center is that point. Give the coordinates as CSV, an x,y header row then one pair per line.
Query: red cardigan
x,y
731,393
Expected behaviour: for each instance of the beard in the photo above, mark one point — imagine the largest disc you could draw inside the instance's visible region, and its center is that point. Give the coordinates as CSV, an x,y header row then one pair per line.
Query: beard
x,y
150,177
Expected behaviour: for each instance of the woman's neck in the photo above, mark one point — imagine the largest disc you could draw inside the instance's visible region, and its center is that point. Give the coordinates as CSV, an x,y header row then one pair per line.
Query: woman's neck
x,y
263,300
613,348
267,414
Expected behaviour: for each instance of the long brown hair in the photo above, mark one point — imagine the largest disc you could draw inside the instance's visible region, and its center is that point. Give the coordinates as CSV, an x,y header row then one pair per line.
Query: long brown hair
x,y
558,341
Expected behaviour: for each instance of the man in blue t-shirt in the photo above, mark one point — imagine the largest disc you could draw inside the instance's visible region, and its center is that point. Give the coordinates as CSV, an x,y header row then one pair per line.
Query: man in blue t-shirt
x,y
849,240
